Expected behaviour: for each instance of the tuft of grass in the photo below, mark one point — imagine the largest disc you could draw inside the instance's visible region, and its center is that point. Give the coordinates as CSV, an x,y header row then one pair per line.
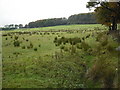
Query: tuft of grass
x,y
35,49
16,43
31,45
6,38
23,47
16,37
39,45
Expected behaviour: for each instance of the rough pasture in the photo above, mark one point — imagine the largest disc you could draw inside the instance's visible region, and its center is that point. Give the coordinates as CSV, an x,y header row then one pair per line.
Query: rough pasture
x,y
58,58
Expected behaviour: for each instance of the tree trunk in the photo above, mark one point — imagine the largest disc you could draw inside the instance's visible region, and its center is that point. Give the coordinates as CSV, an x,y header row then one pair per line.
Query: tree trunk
x,y
114,24
109,28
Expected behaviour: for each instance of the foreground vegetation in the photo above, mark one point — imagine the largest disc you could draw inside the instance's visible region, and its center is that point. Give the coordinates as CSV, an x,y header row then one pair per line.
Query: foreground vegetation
x,y
73,56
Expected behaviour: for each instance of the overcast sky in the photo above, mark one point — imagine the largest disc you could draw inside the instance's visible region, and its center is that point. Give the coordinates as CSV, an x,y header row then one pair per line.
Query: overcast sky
x,y
25,11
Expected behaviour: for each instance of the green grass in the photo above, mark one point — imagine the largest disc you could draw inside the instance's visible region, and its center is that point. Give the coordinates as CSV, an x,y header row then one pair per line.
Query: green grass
x,y
48,66
64,27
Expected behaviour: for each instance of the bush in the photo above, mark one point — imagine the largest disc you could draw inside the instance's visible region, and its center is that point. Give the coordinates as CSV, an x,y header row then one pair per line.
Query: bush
x,y
31,45
39,45
85,46
103,70
73,50
62,38
23,47
27,40
56,45
55,38
40,33
104,43
108,78
59,42
83,38
62,47
28,47
110,48
16,43
35,49
104,40
99,36
16,37
66,49
16,53
76,40
78,46
58,35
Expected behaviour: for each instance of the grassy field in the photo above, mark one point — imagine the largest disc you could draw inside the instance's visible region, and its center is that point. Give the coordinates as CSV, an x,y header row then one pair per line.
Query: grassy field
x,y
65,27
59,57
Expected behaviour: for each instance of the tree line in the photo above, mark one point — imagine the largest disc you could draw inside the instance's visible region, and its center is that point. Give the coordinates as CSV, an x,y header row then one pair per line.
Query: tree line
x,y
84,18
12,26
48,22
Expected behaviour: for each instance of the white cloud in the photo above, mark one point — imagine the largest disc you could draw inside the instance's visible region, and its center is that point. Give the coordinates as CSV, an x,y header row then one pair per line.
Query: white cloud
x,y
24,11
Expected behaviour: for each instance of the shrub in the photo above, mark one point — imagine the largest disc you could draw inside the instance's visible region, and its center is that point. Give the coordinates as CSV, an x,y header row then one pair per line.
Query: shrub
x,y
53,33
28,47
78,46
31,45
88,36
73,50
74,43
39,45
85,46
110,48
55,38
44,33
98,38
35,49
16,43
108,78
62,38
103,70
16,37
83,38
16,53
6,38
58,35
56,44
40,33
104,40
76,40
104,43
23,47
62,47
48,33
66,49
27,40
67,40
59,42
